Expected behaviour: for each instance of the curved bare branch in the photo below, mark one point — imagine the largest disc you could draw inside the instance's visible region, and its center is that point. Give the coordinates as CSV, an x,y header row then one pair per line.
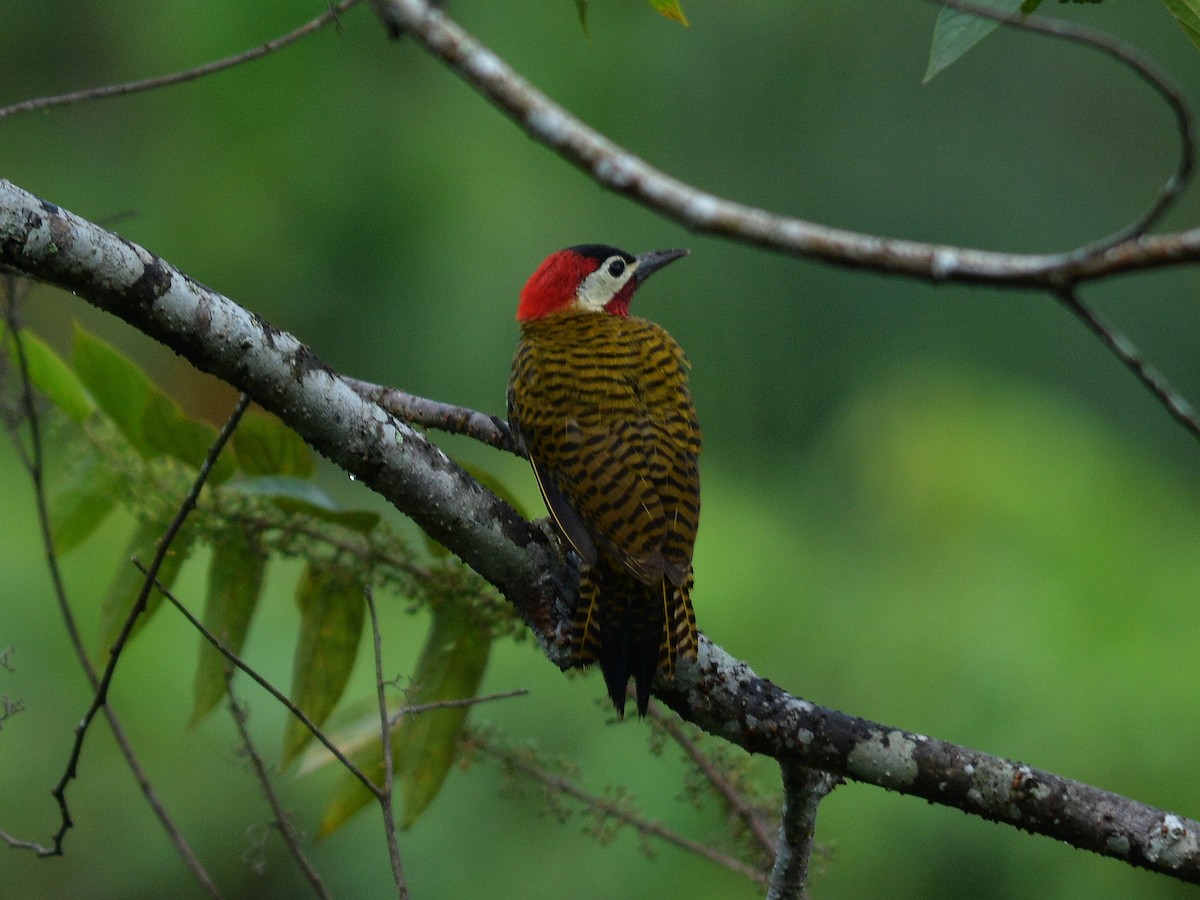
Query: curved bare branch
x,y
615,168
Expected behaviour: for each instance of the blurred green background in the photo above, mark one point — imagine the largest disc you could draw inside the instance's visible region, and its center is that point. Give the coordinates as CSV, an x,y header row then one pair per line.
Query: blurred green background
x,y
946,509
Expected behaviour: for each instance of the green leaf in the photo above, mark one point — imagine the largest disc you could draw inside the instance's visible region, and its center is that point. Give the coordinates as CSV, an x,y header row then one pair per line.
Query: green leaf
x,y
424,745
1187,14
265,446
127,581
53,377
235,576
581,7
83,497
170,433
295,495
331,623
151,421
954,33
451,667
121,389
670,9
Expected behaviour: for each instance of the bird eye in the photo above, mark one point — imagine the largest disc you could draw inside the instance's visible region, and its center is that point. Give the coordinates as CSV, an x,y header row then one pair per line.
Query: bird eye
x,y
616,267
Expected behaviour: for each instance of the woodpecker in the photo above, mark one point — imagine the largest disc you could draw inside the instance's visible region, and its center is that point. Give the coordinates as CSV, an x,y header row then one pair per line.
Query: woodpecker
x,y
600,400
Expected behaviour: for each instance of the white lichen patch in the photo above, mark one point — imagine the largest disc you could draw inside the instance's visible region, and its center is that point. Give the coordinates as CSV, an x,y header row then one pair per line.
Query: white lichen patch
x,y
991,786
886,759
1118,845
1171,842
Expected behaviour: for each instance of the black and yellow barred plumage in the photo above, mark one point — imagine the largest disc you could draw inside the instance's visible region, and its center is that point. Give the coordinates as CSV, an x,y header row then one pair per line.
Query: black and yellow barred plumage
x,y
601,403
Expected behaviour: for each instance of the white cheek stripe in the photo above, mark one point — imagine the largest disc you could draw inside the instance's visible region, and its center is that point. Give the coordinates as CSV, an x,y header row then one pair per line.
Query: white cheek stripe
x,y
600,287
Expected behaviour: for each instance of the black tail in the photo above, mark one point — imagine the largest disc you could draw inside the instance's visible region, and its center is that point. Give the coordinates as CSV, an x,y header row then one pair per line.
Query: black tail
x,y
630,635
622,623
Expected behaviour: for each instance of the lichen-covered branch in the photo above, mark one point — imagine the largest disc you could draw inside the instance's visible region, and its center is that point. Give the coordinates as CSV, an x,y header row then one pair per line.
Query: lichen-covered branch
x,y
719,693
42,241
803,791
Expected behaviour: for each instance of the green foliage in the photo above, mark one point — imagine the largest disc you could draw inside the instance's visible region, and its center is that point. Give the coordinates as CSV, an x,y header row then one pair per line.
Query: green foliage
x,y
668,9
83,497
235,576
956,32
127,581
129,444
151,421
425,743
332,612
51,376
265,446
1187,14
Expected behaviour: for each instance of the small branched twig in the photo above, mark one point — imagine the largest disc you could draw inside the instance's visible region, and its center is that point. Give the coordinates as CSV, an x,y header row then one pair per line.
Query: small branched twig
x,y
283,822
149,84
418,708
738,804
615,168
385,738
607,809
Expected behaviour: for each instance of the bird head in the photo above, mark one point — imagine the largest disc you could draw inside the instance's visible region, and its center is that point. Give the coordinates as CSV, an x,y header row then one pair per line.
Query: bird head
x,y
592,277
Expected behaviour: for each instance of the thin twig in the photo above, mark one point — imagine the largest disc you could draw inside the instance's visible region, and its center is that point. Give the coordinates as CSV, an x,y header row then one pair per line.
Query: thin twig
x,y
283,821
1127,352
34,463
490,430
803,791
265,685
159,81
385,738
418,708
608,808
740,805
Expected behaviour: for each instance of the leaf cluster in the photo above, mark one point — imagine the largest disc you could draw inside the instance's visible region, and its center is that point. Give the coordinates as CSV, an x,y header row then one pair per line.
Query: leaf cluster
x,y
120,441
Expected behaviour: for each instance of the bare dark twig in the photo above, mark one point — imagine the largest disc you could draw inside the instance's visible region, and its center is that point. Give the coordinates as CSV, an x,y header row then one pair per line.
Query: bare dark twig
x,y
159,81
34,464
283,822
1127,352
385,738
614,810
417,708
740,806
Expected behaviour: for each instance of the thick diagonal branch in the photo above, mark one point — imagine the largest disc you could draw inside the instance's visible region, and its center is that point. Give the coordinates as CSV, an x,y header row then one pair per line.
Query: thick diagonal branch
x,y
719,693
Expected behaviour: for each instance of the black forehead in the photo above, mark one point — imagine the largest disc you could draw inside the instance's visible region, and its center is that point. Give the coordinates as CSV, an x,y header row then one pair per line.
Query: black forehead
x,y
600,252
